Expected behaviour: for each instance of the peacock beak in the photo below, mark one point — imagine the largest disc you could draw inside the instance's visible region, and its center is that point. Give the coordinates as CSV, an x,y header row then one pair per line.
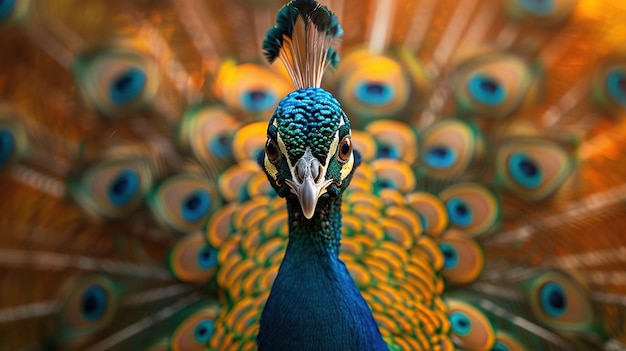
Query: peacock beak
x,y
309,183
308,193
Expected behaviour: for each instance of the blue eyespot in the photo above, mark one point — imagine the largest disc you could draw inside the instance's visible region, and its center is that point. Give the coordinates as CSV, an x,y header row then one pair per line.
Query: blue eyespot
x,y
537,7
374,93
440,157
386,184
553,299
486,90
7,145
94,302
196,206
451,259
207,257
204,330
525,171
461,324
220,146
387,151
6,7
616,85
460,214
258,100
127,86
498,346
123,188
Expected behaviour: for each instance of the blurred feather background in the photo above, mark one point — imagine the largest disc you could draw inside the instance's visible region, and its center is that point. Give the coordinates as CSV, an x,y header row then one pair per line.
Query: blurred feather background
x,y
133,213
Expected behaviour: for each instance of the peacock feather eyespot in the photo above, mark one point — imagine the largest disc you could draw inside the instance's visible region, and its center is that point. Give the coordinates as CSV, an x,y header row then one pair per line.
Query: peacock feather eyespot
x,y
112,187
250,88
608,88
207,257
470,327
472,208
460,213
123,188
524,170
258,100
560,302
461,324
394,139
493,84
94,302
204,331
450,147
374,93
90,305
375,86
184,202
127,85
486,90
464,259
450,255
440,156
533,168
117,79
195,331
192,259
195,205
387,151
220,146
553,299
208,132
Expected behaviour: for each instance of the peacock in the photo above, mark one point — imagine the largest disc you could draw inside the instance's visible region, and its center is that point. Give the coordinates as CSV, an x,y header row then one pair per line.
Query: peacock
x,y
295,175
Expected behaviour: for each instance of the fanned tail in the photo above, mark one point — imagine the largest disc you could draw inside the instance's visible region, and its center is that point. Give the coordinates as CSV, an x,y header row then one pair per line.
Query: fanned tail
x,y
487,211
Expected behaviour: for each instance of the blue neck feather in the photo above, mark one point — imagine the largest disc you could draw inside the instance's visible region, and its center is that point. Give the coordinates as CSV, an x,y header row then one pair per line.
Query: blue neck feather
x,y
314,303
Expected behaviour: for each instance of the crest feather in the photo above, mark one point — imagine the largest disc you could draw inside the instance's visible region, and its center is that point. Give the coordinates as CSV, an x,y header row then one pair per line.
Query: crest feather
x,y
302,38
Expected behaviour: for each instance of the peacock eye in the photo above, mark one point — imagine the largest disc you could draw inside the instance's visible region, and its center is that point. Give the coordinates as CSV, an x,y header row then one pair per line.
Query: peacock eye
x,y
345,150
271,151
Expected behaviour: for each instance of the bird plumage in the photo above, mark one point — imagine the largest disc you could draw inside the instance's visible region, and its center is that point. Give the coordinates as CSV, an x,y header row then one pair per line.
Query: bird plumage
x,y
486,211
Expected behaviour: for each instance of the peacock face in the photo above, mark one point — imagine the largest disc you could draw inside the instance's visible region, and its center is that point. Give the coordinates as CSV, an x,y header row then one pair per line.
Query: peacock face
x,y
308,154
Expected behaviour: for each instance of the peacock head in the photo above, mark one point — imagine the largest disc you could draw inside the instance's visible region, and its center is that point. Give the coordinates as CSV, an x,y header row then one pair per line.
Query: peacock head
x,y
308,154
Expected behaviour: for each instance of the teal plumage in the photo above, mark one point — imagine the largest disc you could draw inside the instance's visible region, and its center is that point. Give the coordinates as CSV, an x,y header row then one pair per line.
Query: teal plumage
x,y
453,182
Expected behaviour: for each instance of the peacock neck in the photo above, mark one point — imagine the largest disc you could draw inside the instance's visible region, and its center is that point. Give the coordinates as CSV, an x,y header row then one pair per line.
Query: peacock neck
x,y
321,235
314,303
